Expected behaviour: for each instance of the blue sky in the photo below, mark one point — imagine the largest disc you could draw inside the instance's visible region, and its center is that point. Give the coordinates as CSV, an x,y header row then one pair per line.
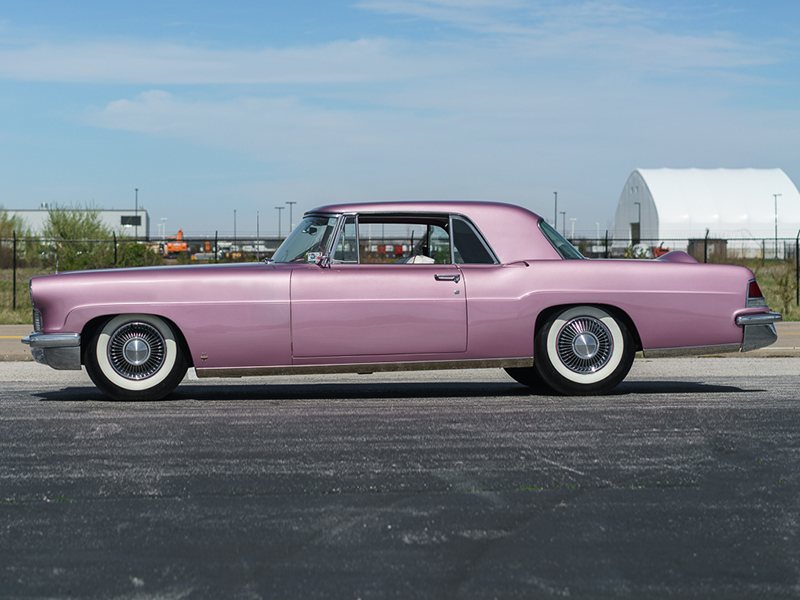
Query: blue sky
x,y
209,108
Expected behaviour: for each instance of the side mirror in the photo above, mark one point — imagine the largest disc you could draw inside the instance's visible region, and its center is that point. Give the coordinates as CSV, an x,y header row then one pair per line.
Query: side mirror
x,y
319,258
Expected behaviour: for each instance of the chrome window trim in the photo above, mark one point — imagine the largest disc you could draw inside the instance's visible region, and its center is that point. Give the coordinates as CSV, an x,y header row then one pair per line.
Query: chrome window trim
x,y
331,250
338,233
452,239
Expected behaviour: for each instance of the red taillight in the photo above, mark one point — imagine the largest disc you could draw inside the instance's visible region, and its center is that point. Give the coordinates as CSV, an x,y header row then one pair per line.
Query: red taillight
x,y
754,291
755,299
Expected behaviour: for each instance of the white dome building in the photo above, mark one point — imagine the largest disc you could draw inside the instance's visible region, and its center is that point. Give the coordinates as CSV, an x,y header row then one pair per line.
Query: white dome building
x,y
733,204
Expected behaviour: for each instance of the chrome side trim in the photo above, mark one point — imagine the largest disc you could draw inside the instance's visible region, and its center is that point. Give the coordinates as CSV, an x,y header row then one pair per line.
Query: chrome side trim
x,y
758,336
760,319
52,340
365,368
690,351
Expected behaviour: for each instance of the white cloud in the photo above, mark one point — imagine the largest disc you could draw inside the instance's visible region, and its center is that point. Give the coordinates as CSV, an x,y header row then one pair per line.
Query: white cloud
x,y
615,34
281,129
139,62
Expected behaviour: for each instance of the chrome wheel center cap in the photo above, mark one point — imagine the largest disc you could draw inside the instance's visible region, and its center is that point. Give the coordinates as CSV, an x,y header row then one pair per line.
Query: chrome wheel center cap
x,y
136,351
585,345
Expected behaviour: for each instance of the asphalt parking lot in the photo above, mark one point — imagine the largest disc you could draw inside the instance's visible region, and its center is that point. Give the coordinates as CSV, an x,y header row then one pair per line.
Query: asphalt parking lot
x,y
682,484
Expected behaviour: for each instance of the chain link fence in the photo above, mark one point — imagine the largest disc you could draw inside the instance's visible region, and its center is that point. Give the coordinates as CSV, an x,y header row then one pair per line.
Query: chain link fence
x,y
23,258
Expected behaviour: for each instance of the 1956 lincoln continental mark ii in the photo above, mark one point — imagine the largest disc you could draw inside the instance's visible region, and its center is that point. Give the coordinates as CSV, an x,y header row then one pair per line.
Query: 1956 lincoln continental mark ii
x,y
468,285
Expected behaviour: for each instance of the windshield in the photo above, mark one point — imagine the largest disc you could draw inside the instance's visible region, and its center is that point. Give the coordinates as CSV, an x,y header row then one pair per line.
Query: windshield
x,y
308,240
560,243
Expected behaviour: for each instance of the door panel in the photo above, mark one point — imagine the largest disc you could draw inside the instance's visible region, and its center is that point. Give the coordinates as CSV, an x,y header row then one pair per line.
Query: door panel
x,y
363,310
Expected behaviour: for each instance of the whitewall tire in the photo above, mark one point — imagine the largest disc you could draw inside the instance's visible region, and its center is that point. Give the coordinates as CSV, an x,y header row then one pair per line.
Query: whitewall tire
x,y
135,357
583,350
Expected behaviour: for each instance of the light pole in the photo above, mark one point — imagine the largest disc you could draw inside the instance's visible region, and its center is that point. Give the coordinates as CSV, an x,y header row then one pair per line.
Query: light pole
x,y
163,228
555,214
291,223
776,223
563,223
279,209
573,219
234,226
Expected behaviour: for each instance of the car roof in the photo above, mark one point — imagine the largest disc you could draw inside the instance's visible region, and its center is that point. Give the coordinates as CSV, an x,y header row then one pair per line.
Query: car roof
x,y
511,231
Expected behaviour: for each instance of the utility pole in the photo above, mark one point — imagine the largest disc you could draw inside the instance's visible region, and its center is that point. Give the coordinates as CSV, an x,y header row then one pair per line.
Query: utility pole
x,y
291,222
776,223
555,214
279,209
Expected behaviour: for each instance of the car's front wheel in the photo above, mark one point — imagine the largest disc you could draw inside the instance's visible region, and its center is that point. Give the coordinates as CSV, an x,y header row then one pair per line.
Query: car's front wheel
x,y
135,357
583,350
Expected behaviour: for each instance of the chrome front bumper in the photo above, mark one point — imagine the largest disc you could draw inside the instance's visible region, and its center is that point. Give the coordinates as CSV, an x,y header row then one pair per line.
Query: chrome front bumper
x,y
60,351
759,330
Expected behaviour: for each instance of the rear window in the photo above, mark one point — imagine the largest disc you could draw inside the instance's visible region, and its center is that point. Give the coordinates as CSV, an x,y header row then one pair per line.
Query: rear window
x,y
560,243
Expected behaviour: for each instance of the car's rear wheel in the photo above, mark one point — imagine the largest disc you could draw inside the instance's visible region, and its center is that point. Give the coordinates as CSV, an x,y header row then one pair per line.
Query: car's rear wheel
x,y
583,350
135,357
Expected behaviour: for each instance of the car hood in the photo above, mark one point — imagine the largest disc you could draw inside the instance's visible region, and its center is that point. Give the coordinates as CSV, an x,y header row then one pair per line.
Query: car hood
x,y
110,291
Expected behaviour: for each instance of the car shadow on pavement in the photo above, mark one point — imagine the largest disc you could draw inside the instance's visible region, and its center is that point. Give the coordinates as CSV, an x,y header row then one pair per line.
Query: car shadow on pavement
x,y
382,391
677,387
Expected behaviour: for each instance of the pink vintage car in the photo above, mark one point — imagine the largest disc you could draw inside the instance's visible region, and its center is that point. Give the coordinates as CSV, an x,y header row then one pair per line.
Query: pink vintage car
x,y
397,286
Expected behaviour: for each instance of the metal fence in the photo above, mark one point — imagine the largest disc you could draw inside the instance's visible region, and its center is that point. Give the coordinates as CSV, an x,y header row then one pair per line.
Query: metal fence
x,y
23,258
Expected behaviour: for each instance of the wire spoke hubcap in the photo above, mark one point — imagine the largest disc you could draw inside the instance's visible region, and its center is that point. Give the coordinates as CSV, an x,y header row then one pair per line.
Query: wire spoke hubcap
x,y
584,345
136,350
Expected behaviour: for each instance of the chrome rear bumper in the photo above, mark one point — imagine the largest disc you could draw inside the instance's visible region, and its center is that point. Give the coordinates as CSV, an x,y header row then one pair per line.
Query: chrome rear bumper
x,y
759,330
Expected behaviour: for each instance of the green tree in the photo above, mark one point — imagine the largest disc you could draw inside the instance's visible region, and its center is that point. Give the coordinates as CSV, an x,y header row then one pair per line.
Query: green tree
x,y
77,239
133,254
8,227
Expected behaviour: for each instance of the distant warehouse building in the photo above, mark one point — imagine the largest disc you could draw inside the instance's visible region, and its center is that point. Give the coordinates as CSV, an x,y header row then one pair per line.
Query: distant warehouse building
x,y
674,205
129,223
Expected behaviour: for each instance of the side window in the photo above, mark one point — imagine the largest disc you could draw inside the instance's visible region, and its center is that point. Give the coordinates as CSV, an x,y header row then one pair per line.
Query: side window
x,y
347,247
400,241
468,248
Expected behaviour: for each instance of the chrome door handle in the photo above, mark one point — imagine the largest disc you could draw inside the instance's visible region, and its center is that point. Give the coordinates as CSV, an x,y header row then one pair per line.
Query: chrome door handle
x,y
448,277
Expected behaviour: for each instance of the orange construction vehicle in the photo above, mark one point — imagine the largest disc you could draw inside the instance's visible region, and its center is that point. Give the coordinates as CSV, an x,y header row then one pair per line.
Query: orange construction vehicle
x,y
175,245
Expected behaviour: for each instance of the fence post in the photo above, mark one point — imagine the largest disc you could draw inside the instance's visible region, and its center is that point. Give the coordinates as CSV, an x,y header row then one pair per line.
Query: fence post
x,y
705,248
606,244
216,250
115,247
14,272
